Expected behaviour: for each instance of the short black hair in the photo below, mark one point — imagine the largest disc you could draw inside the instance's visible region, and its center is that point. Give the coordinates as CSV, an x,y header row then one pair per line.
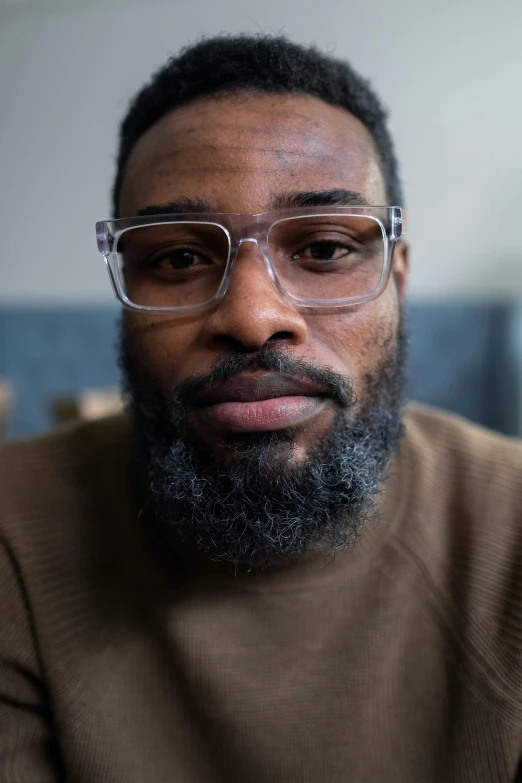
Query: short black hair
x,y
257,63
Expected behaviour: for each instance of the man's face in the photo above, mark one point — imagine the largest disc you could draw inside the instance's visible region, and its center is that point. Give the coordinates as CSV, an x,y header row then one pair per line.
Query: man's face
x,y
246,493
240,155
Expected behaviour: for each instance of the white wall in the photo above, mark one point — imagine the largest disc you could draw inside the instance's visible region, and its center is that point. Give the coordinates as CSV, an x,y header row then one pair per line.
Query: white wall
x,y
450,71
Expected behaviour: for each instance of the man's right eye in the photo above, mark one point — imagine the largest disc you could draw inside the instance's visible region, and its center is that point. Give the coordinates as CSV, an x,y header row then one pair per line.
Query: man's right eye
x,y
176,259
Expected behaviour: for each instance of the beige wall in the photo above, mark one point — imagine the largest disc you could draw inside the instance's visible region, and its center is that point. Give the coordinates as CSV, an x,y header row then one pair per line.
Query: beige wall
x,y
451,72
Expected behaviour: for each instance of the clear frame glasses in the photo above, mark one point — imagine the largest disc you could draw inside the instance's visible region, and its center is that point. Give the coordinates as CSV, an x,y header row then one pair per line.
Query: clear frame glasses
x,y
330,258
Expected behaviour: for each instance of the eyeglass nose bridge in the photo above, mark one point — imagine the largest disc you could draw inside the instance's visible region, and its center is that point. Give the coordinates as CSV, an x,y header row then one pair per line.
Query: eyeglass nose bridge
x,y
263,249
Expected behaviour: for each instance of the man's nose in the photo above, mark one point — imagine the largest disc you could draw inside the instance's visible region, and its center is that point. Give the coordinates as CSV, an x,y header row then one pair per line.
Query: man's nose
x,y
253,311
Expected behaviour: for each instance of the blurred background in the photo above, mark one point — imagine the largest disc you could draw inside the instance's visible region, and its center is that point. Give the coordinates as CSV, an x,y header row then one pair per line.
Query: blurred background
x,y
451,75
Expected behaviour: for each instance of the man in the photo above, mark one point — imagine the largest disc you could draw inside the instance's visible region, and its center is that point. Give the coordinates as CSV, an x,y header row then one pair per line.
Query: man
x,y
271,570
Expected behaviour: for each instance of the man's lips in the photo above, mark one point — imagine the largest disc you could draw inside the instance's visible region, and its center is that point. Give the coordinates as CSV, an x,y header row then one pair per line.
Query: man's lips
x,y
252,388
265,402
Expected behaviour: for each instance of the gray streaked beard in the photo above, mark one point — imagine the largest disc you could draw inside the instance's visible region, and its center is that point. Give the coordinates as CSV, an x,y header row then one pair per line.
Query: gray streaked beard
x,y
262,505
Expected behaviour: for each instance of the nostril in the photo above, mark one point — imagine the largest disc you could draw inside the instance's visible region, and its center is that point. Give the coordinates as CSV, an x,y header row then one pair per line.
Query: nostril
x,y
278,336
234,344
242,345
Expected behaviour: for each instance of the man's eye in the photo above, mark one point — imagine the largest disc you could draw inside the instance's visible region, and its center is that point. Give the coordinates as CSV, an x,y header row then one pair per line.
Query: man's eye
x,y
323,251
177,259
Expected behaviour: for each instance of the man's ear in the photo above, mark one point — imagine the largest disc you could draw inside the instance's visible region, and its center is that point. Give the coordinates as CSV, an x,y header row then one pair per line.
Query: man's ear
x,y
401,264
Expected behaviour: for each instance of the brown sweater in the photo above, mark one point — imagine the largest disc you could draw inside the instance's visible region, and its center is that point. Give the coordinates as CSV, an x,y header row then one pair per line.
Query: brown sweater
x,y
398,662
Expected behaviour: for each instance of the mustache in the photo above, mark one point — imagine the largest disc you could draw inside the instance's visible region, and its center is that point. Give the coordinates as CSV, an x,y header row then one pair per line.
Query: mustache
x,y
339,388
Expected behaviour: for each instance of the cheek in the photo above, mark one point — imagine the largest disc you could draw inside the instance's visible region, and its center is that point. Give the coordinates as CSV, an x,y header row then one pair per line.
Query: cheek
x,y
165,350
358,339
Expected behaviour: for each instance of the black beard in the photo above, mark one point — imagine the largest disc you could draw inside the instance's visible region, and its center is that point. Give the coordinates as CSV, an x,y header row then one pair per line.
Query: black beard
x,y
260,505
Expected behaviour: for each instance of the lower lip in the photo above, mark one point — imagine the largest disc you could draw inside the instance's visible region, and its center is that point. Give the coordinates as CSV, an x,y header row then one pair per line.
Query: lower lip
x,y
264,415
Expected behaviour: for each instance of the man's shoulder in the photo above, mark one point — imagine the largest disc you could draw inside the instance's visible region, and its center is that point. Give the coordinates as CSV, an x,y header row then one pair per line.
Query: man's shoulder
x,y
463,475
462,533
43,475
437,437
78,442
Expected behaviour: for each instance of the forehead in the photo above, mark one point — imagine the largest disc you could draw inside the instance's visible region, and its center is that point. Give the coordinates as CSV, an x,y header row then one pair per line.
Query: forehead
x,y
242,152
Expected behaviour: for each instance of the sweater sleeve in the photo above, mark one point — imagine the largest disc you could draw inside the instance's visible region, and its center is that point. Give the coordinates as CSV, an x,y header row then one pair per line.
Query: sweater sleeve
x,y
28,746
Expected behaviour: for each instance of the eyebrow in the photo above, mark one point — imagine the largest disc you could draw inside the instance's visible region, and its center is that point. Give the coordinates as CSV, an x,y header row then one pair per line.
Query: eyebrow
x,y
178,207
290,200
320,198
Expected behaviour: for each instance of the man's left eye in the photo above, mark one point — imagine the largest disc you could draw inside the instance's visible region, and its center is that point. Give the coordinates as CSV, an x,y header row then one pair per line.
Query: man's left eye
x,y
323,251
